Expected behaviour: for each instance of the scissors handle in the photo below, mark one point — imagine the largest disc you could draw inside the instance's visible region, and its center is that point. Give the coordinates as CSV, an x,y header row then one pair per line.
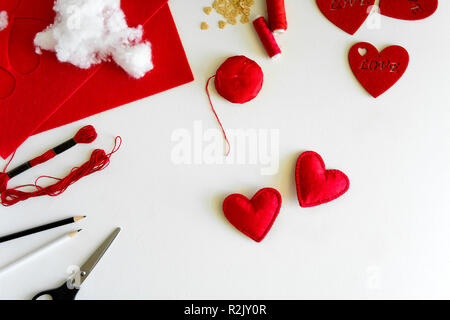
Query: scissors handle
x,y
61,293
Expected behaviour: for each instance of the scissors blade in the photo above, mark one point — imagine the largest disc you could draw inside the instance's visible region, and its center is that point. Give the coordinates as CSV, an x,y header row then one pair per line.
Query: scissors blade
x,y
90,264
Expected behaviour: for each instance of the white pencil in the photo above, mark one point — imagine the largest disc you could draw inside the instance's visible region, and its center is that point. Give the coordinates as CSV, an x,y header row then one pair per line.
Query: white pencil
x,y
29,256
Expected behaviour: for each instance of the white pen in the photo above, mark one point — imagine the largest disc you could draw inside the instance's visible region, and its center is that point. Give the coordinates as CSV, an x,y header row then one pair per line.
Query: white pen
x,y
29,256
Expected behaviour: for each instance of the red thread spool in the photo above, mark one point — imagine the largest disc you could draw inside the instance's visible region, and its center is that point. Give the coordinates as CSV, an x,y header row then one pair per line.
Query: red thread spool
x,y
277,16
239,80
267,38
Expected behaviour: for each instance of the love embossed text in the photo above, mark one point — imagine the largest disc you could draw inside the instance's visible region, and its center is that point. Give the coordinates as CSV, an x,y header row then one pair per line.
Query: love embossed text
x,y
415,6
380,65
344,4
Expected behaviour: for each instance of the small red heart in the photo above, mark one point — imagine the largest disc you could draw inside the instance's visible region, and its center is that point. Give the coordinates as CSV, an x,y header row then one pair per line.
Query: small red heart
x,y
254,217
378,71
348,15
408,9
315,184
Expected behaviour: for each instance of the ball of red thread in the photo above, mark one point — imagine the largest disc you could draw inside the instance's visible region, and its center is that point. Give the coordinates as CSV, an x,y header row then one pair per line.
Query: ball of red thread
x,y
87,134
239,79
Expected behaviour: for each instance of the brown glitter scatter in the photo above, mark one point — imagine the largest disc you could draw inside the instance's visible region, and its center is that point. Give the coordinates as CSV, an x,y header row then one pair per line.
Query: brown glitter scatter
x,y
204,26
232,10
222,24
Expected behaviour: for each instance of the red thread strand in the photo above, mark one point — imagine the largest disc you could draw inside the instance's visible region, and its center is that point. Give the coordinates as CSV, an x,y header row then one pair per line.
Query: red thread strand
x,y
267,38
43,158
217,117
4,178
277,15
98,161
87,134
9,162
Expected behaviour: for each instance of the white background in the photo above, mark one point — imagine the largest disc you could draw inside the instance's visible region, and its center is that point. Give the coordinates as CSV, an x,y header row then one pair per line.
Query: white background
x,y
388,237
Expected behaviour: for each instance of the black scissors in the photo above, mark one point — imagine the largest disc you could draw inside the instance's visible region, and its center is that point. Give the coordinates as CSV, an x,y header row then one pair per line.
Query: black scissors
x,y
69,289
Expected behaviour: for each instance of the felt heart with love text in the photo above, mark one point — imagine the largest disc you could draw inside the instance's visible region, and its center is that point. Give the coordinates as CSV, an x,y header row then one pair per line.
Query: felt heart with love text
x,y
315,184
253,217
377,71
408,9
348,15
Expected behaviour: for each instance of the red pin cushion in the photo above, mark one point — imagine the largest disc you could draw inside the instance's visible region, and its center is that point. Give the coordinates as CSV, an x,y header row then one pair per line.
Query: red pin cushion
x,y
239,79
35,86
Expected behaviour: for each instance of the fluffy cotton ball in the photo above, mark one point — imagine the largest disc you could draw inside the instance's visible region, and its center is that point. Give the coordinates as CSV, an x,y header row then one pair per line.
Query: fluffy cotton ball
x,y
3,20
88,32
134,60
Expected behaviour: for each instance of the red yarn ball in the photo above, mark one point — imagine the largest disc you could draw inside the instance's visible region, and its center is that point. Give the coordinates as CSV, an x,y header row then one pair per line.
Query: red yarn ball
x,y
239,79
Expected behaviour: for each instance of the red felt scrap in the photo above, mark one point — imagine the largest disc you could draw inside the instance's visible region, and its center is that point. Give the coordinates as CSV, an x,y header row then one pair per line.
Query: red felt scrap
x,y
348,15
111,87
239,79
34,87
253,217
408,9
315,184
378,71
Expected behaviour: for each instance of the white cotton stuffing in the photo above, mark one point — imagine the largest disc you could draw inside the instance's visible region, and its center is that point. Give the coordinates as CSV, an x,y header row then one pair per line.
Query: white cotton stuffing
x,y
3,20
88,32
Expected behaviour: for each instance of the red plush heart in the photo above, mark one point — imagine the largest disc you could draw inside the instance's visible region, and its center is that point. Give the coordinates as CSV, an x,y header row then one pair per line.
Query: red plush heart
x,y
254,217
377,71
408,9
348,15
315,184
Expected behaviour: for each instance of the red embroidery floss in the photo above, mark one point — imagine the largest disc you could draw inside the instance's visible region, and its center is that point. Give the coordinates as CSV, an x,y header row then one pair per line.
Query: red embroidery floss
x,y
267,38
98,161
277,16
239,80
86,134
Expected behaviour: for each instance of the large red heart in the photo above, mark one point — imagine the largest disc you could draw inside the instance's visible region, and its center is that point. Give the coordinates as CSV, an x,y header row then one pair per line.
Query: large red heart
x,y
377,71
254,217
408,9
315,184
348,15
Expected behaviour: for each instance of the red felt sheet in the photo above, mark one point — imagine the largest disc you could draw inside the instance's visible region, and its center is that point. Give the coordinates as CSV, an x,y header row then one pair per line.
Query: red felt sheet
x,y
34,87
112,87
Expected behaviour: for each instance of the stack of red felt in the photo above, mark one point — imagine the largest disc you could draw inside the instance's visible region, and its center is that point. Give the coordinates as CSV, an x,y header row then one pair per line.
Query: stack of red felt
x,y
38,93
